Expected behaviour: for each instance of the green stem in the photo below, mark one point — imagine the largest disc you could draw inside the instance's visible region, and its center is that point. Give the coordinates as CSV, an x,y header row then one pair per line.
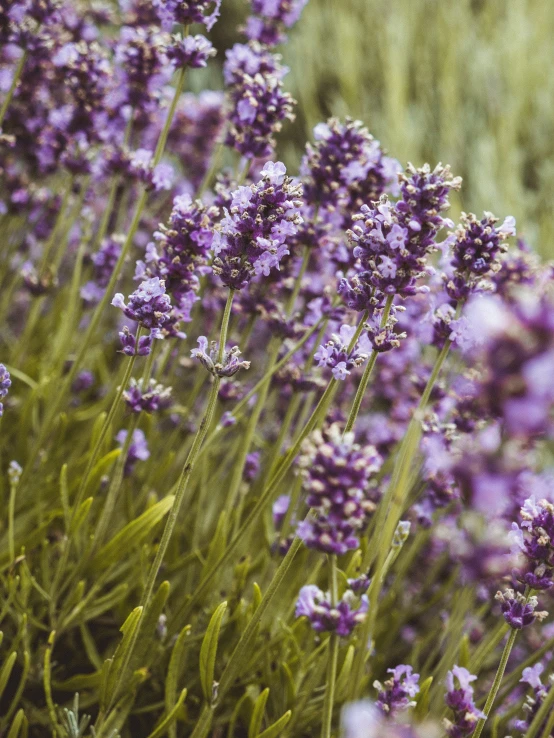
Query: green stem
x,y
329,698
177,503
13,86
298,282
214,165
11,516
108,294
360,392
497,682
90,466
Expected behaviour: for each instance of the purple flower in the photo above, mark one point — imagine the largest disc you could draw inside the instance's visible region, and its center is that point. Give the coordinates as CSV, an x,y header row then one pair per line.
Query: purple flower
x,y
251,466
337,472
397,693
341,618
5,384
148,305
336,355
345,167
535,539
477,246
186,12
83,381
230,363
270,17
129,345
519,611
148,399
180,252
254,231
104,261
138,449
459,697
392,241
532,676
139,53
258,106
190,51
279,510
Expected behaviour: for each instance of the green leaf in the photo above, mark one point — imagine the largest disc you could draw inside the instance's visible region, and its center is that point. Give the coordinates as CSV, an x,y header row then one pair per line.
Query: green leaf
x,y
343,679
80,682
290,686
18,721
173,672
128,629
275,730
421,709
148,627
170,718
208,652
100,468
20,687
6,671
132,534
258,714
64,494
464,655
257,597
80,516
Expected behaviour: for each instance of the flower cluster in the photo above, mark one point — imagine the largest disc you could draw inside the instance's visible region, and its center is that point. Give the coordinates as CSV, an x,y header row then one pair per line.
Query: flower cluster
x,y
209,358
257,100
137,451
476,251
532,676
519,611
253,234
270,18
5,384
104,261
346,167
189,51
517,352
339,357
337,472
148,305
535,539
340,618
392,240
398,692
148,397
459,698
179,254
186,12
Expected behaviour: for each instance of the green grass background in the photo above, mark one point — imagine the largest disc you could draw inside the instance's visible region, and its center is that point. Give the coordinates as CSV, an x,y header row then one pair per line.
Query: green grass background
x,y
465,82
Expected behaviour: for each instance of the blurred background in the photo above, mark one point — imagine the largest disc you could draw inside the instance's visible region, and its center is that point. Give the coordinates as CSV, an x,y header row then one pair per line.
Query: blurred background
x,y
465,82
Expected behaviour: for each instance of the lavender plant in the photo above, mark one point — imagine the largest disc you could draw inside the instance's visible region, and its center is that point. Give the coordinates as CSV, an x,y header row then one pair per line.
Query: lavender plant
x,y
349,532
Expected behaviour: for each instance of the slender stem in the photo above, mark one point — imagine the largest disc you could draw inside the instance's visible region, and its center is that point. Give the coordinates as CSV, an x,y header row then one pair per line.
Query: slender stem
x,y
90,466
13,86
298,282
214,164
108,294
177,503
388,515
360,393
329,698
11,516
497,682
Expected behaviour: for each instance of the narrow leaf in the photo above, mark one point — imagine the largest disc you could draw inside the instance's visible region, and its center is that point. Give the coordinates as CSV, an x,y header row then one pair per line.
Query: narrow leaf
x,y
275,730
258,714
208,651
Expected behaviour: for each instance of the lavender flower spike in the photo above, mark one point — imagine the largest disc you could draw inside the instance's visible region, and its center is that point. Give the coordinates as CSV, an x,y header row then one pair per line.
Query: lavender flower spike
x,y
5,384
518,611
148,305
459,697
324,617
398,692
228,366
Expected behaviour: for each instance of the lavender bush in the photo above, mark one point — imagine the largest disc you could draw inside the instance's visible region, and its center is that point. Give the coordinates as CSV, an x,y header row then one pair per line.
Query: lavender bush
x,y
277,446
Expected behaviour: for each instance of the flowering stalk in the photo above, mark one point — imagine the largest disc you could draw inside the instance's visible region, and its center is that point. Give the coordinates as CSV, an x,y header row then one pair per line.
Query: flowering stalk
x,y
499,676
177,503
93,456
360,392
329,698
386,520
97,314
